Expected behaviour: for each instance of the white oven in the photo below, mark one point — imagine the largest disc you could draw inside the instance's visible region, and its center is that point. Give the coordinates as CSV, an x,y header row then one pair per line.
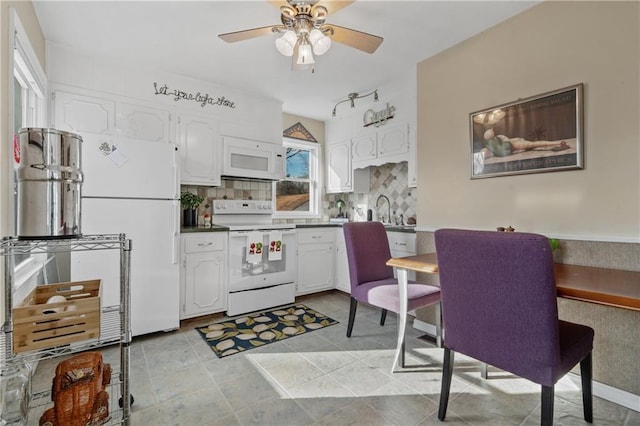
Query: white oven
x,y
267,281
262,256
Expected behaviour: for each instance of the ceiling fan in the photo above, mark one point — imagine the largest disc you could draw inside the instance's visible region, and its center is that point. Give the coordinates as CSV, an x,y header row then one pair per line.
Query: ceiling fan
x,y
304,31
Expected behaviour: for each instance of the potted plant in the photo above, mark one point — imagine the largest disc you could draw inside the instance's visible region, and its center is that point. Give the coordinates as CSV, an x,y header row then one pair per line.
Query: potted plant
x,y
190,203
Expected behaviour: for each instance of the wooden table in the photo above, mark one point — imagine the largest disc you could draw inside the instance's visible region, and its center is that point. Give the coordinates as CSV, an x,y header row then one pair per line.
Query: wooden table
x,y
603,286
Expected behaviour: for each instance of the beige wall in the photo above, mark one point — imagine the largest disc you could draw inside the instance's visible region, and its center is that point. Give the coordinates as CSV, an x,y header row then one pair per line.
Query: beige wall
x,y
553,45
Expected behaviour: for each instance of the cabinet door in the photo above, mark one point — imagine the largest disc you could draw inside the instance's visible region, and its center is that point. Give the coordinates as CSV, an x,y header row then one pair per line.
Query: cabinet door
x,y
364,148
315,267
402,244
393,141
79,113
343,282
204,278
339,173
199,150
412,164
144,122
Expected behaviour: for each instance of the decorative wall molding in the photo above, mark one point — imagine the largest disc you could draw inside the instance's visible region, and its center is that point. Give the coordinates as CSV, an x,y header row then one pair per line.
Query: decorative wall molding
x,y
298,131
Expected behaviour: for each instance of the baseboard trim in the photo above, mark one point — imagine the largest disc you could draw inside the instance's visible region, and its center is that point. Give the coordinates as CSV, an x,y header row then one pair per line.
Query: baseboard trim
x,y
615,395
430,329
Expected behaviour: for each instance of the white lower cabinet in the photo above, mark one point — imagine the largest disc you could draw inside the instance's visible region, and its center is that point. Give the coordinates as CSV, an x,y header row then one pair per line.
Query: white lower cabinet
x,y
343,282
402,244
204,274
316,257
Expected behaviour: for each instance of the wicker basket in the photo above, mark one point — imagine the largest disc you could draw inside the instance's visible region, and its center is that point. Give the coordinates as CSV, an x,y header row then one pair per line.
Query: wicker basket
x,y
38,324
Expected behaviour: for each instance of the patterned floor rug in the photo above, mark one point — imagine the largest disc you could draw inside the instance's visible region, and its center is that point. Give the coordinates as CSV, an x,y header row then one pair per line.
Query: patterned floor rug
x,y
236,335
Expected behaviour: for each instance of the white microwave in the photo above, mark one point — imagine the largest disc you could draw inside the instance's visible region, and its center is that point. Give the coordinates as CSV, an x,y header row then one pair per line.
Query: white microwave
x,y
248,158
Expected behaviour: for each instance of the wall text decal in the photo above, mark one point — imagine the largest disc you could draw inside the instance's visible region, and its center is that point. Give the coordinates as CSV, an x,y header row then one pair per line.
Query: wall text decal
x,y
378,118
198,97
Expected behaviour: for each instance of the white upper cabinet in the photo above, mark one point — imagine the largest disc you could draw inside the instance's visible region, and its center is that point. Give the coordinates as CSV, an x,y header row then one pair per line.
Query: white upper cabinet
x,y
79,113
144,122
412,164
339,174
364,149
199,147
393,142
385,145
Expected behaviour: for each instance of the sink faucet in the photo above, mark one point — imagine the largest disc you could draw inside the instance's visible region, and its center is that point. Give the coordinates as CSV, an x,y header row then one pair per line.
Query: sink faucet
x,y
388,206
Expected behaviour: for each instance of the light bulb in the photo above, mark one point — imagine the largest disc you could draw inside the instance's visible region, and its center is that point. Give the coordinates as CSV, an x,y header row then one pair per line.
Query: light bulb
x,y
286,43
305,57
320,42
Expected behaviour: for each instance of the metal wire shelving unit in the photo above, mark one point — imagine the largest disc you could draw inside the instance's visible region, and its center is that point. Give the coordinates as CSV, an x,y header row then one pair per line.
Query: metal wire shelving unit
x,y
115,327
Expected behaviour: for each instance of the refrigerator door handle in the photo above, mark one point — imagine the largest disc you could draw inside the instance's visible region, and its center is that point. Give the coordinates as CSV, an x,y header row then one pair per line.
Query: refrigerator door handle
x,y
176,172
176,234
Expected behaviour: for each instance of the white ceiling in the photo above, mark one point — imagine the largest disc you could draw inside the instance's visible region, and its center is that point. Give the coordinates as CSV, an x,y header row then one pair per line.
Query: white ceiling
x,y
181,37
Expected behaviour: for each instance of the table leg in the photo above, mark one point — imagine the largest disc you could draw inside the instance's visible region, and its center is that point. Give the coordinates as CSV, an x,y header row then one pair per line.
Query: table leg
x,y
403,285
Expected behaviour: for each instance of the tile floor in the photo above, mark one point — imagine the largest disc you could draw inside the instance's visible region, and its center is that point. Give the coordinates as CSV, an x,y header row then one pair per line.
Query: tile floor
x,y
324,378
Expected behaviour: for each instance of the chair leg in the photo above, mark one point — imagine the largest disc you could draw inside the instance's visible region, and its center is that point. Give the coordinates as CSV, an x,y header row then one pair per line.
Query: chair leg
x,y
383,317
587,395
447,373
547,406
352,315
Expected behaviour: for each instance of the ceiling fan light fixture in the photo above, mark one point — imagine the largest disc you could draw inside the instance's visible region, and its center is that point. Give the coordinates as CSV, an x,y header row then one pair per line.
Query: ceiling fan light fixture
x,y
320,42
305,57
286,43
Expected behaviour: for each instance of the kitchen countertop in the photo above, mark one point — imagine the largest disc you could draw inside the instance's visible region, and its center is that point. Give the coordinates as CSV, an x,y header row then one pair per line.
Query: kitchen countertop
x,y
219,228
318,225
390,228
194,229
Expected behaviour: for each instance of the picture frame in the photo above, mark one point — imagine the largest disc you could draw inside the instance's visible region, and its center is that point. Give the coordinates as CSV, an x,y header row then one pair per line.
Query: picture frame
x,y
542,133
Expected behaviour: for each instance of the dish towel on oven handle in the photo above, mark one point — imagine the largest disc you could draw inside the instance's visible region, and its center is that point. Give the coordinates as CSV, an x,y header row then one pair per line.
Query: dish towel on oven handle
x,y
254,247
275,245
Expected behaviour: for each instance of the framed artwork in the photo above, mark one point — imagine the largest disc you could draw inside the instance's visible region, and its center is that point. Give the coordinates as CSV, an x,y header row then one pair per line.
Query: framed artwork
x,y
541,133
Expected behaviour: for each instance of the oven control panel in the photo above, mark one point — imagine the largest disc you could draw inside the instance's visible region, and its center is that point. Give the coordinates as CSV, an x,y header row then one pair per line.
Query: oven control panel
x,y
242,207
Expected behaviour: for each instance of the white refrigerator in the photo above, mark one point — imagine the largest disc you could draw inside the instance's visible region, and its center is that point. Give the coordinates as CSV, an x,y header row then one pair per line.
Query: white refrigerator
x,y
131,186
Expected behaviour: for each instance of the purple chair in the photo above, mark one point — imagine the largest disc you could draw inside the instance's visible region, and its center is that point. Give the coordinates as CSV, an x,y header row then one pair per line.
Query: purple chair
x,y
372,281
499,306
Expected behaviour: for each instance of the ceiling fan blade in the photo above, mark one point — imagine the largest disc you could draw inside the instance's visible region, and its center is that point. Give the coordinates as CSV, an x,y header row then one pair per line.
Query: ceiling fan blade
x,y
330,5
356,39
247,34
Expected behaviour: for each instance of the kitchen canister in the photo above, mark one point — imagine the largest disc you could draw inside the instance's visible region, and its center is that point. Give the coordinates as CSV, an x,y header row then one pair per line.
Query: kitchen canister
x,y
49,183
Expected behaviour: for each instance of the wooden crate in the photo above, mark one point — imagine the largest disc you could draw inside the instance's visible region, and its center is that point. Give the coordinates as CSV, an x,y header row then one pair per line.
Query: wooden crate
x,y
38,324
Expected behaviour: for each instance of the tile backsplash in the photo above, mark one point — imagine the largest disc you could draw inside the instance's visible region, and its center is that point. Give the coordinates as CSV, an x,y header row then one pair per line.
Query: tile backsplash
x,y
232,189
390,180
